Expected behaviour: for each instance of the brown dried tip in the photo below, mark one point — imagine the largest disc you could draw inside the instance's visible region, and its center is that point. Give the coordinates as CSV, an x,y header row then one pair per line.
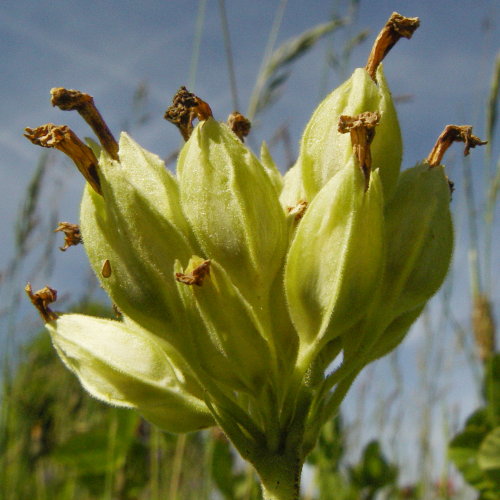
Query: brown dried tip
x,y
185,108
396,27
41,300
362,130
106,269
72,234
451,134
69,100
298,210
196,276
61,137
239,125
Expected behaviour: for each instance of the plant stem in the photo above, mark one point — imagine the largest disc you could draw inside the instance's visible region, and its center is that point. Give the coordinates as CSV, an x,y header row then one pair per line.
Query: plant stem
x,y
280,477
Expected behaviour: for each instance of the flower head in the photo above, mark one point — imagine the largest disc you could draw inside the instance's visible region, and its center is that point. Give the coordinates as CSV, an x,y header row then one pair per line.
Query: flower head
x,y
238,287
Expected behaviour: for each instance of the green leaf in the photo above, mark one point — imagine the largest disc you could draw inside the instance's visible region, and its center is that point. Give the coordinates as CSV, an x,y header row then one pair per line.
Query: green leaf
x,y
91,452
373,471
492,388
489,451
463,451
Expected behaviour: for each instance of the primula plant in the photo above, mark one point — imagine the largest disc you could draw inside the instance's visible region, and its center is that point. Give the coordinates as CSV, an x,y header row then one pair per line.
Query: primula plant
x,y
236,287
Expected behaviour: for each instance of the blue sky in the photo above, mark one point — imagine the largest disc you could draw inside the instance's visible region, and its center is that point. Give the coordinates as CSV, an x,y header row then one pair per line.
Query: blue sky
x,y
108,48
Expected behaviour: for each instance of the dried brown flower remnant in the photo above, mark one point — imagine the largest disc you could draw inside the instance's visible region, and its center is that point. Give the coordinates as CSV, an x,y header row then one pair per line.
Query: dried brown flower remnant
x,y
106,269
41,300
362,130
239,125
72,234
69,100
483,325
451,134
396,27
298,210
61,137
184,109
196,276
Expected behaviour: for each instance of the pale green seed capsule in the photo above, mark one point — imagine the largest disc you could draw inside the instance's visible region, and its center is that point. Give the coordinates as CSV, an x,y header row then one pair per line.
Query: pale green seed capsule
x,y
419,241
324,151
207,357
336,257
233,328
394,334
271,168
137,226
232,206
419,234
126,366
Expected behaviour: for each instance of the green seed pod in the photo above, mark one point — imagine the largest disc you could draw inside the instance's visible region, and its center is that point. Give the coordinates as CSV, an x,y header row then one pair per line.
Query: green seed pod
x,y
233,208
419,240
206,357
271,168
133,234
419,235
394,334
419,244
324,151
336,257
233,328
126,366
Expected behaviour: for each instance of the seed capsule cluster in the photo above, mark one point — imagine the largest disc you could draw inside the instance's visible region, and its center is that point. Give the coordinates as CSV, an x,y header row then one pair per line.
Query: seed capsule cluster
x,y
237,286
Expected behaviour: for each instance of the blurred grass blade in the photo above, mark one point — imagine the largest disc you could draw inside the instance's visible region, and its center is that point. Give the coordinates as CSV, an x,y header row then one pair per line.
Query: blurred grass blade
x,y
229,54
491,122
200,20
274,74
492,178
28,218
338,62
273,34
175,479
491,108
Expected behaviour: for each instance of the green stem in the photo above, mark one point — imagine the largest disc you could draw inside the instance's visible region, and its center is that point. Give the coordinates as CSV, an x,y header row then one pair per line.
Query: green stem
x,y
280,477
